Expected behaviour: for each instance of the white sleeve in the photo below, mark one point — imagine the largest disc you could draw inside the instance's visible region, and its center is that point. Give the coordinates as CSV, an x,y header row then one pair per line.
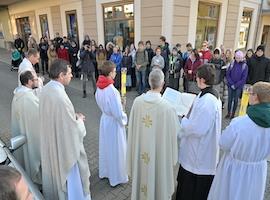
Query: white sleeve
x,y
200,120
228,137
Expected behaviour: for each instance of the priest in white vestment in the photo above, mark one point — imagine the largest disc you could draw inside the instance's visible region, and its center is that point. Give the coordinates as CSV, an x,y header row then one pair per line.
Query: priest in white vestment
x,y
152,143
242,171
112,131
31,59
25,121
65,170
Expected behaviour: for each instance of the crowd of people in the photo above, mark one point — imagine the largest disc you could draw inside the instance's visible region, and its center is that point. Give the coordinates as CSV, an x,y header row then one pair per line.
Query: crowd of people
x,y
157,137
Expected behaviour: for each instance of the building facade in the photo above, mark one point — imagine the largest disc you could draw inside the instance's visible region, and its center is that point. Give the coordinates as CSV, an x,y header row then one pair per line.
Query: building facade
x,y
237,24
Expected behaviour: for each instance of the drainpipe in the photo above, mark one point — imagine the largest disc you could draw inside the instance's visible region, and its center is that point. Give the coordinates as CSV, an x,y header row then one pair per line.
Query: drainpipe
x,y
258,25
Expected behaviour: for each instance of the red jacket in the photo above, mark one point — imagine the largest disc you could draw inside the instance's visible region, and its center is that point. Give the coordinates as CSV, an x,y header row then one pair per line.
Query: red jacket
x,y
63,54
205,56
193,67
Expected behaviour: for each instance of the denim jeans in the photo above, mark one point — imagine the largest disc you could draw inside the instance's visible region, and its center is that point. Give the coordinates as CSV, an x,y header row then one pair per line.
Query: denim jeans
x,y
140,76
233,99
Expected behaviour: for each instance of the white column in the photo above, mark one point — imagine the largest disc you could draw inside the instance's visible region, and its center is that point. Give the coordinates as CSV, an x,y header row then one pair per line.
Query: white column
x,y
193,14
137,21
167,19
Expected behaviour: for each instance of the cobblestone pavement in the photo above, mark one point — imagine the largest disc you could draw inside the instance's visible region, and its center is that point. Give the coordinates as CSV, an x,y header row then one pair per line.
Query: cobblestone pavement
x,y
100,189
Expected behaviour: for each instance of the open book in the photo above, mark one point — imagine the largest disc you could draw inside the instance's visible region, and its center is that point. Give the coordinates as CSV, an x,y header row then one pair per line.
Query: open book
x,y
182,102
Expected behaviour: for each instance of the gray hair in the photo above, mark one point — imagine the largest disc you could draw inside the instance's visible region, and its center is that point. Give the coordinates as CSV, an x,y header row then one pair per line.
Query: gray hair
x,y
156,78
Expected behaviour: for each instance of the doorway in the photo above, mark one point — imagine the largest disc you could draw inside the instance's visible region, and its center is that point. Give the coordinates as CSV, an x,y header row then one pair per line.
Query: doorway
x,y
24,29
72,26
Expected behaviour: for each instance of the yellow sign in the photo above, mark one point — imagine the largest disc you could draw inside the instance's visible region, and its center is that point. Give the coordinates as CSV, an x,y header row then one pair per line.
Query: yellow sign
x,y
123,82
244,103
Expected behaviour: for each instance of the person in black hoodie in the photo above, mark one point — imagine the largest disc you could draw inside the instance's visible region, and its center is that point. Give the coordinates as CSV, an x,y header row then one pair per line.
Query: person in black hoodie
x,y
150,56
165,52
19,44
43,48
87,67
73,52
258,67
127,63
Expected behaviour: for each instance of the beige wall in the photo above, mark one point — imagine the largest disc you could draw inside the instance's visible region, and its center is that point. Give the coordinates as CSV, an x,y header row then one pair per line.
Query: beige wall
x,y
56,19
89,18
231,23
5,28
151,21
181,9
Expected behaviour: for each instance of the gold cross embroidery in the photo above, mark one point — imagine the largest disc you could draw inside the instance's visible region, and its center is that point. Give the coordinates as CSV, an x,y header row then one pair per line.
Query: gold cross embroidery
x,y
145,158
147,121
144,190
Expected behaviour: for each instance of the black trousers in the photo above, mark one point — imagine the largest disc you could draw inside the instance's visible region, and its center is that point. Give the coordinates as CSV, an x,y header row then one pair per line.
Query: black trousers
x,y
44,65
192,186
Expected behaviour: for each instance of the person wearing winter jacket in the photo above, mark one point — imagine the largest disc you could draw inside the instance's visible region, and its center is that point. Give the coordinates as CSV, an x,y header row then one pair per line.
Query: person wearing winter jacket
x,y
205,53
87,67
190,71
116,58
175,66
127,63
73,55
150,54
236,76
158,60
259,67
220,70
62,53
43,47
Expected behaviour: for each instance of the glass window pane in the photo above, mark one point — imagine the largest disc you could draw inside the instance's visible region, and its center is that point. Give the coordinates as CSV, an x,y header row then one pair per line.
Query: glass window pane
x,y
108,12
207,24
128,10
244,29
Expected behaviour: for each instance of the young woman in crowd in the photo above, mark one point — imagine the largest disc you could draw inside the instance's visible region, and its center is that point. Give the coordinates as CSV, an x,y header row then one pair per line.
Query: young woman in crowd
x,y
116,58
190,71
236,76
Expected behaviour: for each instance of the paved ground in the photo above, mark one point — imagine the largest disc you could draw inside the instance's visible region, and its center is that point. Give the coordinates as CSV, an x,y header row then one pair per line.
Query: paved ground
x,y
100,189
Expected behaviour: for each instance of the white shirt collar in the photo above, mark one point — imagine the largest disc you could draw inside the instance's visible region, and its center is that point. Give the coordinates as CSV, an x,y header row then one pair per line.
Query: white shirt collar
x,y
57,84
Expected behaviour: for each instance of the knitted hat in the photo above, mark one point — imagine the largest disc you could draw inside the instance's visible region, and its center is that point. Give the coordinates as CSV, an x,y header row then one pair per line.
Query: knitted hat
x,y
239,54
260,47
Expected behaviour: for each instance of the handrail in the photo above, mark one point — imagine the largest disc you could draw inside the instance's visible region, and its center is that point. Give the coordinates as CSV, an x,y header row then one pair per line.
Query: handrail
x,y
32,187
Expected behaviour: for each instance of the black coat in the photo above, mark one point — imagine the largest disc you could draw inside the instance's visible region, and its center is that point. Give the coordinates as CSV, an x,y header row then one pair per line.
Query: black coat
x,y
87,61
258,69
19,44
127,63
73,51
150,54
43,48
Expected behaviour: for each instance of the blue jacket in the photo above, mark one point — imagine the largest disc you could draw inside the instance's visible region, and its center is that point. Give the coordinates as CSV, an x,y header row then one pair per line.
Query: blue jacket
x,y
116,58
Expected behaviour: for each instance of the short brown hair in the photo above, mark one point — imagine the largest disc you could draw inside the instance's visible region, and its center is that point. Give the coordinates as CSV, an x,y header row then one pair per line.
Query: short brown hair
x,y
9,178
140,42
107,68
158,48
162,38
58,66
207,72
262,90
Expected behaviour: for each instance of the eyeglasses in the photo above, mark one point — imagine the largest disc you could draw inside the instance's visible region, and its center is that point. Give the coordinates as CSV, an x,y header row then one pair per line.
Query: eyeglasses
x,y
35,79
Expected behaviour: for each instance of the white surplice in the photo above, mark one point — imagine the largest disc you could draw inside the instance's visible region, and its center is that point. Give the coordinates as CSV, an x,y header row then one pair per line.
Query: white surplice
x,y
25,65
152,147
241,173
112,136
25,121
